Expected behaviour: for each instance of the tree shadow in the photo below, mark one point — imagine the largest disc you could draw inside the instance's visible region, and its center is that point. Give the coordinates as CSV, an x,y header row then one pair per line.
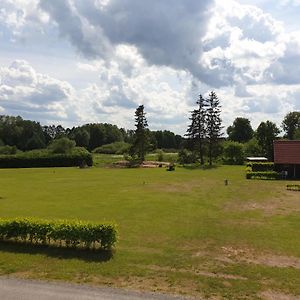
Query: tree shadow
x,y
92,255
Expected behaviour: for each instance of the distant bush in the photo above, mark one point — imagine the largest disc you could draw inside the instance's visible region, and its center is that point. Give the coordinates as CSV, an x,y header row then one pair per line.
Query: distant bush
x,y
262,175
160,155
186,157
233,153
62,145
6,150
43,158
261,166
59,233
113,148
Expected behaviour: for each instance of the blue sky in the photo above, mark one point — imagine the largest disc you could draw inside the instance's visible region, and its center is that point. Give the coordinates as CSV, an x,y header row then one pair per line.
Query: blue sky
x,y
72,62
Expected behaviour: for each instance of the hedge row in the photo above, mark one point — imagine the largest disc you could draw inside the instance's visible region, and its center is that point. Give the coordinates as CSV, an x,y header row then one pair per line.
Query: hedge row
x,y
261,166
59,233
293,187
46,160
262,175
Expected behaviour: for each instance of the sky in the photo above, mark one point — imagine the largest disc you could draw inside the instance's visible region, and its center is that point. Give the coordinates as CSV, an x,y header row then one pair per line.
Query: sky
x,y
73,62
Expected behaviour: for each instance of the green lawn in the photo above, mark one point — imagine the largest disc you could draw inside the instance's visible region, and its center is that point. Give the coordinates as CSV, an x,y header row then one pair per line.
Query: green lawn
x,y
180,232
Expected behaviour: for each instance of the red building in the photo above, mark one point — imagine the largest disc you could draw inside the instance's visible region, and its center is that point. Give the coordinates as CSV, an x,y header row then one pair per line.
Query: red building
x,y
287,157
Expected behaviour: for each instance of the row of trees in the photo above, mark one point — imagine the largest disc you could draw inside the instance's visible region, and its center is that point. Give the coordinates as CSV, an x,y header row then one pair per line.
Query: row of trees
x,y
28,135
203,137
204,134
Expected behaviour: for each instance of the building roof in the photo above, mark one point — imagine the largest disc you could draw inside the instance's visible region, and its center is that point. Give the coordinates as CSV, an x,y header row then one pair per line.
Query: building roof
x,y
287,152
256,158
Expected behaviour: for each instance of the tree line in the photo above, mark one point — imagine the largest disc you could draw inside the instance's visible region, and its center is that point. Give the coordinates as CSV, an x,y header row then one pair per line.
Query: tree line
x,y
27,135
204,136
203,140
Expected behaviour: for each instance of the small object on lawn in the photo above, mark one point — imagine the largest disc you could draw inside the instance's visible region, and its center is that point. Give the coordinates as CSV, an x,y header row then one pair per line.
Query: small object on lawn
x,y
226,181
171,167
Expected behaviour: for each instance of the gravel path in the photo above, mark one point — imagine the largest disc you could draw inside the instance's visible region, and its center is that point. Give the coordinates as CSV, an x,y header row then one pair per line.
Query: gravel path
x,y
18,289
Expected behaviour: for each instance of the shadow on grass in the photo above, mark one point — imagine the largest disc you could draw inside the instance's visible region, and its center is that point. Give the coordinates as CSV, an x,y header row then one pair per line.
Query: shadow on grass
x,y
199,167
96,255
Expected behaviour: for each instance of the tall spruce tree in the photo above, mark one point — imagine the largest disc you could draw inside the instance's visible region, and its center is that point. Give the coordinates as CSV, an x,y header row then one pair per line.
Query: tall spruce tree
x,y
213,123
141,139
196,132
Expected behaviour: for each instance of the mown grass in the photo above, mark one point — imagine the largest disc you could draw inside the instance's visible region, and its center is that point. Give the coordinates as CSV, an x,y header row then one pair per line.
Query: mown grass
x,y
180,232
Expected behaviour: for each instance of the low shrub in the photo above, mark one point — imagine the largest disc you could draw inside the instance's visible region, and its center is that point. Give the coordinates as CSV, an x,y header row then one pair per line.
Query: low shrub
x,y
113,148
293,187
262,175
42,158
261,166
59,233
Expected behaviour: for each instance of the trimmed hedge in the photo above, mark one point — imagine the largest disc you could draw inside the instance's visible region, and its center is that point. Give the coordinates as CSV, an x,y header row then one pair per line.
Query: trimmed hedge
x,y
262,175
293,187
261,166
46,159
59,233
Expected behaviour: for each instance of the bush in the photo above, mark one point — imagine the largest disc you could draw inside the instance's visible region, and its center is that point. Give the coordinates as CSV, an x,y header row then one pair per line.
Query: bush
x,y
261,166
233,153
59,233
293,187
186,157
113,148
7,150
40,158
62,145
262,175
160,155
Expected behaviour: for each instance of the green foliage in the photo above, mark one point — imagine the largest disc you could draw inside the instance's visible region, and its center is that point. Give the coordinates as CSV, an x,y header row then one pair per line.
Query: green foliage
x,y
261,166
262,175
160,155
266,133
214,124
113,148
167,140
62,145
293,187
233,153
196,132
7,150
252,148
240,131
290,124
24,134
186,157
141,142
37,159
59,233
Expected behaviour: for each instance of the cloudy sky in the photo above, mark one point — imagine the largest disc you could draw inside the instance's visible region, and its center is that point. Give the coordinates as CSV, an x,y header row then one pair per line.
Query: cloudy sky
x,y
72,62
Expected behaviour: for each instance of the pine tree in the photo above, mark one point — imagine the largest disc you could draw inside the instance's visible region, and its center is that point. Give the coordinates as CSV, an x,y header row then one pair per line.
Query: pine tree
x,y
141,139
214,122
197,130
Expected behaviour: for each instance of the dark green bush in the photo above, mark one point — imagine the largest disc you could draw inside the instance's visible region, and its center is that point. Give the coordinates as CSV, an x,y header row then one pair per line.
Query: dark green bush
x,y
293,187
261,166
7,150
59,233
113,148
40,158
262,175
62,145
233,153
186,157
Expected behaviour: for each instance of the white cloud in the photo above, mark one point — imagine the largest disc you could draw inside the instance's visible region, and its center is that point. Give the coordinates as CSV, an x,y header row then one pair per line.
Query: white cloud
x,y
25,91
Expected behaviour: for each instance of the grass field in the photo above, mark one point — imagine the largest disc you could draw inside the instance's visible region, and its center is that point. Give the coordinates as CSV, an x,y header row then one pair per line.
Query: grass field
x,y
180,232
